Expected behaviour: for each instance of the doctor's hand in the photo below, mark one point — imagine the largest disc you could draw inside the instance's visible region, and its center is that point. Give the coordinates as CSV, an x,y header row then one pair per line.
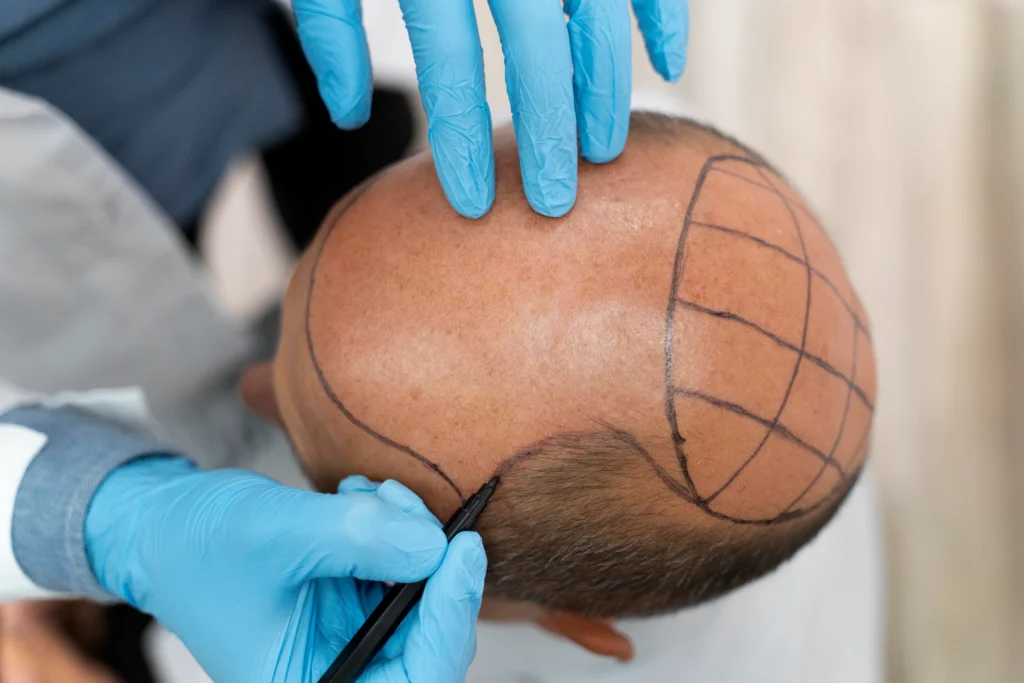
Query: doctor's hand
x,y
563,80
267,583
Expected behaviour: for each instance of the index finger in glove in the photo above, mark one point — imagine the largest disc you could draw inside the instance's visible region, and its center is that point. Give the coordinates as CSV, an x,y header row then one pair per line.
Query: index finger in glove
x,y
538,76
450,70
441,640
392,492
355,535
599,33
332,36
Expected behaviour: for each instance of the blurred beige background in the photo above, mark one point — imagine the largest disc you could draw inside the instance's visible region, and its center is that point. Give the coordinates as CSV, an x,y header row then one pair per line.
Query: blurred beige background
x,y
903,123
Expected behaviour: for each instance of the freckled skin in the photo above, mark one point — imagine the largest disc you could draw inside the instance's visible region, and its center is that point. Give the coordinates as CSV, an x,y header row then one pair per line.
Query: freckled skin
x,y
466,341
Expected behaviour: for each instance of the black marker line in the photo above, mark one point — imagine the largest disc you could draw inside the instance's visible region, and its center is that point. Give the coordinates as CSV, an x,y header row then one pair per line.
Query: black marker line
x,y
779,518
796,259
839,433
777,428
820,362
670,316
801,207
800,354
429,464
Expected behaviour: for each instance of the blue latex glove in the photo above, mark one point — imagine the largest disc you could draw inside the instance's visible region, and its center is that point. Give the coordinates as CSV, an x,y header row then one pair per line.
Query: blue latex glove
x,y
558,76
267,583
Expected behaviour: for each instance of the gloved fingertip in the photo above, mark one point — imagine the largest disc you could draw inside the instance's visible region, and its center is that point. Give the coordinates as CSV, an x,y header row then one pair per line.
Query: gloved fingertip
x,y
554,200
421,544
669,56
406,500
465,166
472,200
603,149
349,116
670,64
470,188
357,483
468,548
476,207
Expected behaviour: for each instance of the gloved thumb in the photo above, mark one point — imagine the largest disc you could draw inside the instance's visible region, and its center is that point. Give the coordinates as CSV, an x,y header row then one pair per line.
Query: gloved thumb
x,y
354,535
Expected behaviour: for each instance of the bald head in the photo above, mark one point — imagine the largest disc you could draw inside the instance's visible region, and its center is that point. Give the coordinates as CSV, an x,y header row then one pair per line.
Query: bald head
x,y
675,381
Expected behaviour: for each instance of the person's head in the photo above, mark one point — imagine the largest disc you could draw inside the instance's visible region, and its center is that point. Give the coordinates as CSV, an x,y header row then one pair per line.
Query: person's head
x,y
675,381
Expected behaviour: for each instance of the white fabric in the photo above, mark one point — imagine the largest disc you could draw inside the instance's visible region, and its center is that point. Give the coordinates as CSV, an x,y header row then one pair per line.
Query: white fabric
x,y
18,446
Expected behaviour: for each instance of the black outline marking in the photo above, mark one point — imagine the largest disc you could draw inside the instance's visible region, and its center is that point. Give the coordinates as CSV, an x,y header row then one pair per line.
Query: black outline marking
x,y
777,428
333,220
820,362
686,490
796,259
799,357
773,425
839,434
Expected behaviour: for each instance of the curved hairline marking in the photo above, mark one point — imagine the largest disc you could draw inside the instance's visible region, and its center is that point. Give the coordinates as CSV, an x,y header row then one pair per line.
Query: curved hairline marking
x,y
685,491
670,412
506,465
333,220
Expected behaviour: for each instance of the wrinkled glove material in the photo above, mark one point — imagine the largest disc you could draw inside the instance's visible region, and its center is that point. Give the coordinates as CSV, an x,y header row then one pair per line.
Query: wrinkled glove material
x,y
565,81
263,582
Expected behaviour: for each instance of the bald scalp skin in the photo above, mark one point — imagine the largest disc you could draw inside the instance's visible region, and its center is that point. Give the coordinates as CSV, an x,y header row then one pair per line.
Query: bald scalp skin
x,y
689,300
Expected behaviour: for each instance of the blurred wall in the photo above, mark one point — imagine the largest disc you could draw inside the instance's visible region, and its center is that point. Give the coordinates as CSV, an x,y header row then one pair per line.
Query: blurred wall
x,y
903,122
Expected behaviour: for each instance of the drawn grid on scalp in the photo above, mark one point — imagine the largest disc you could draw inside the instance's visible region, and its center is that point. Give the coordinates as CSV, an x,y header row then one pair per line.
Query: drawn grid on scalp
x,y
777,428
799,357
687,490
792,257
839,433
828,460
807,212
332,222
820,362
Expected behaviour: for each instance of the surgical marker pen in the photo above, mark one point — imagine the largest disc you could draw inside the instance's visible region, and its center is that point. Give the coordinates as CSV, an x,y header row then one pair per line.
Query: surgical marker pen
x,y
398,602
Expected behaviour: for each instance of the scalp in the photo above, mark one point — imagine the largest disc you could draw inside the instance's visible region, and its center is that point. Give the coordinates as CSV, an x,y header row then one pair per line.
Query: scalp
x,y
453,346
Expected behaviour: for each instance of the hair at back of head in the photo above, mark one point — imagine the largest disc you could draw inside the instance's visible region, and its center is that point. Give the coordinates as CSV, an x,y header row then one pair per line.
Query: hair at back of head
x,y
583,525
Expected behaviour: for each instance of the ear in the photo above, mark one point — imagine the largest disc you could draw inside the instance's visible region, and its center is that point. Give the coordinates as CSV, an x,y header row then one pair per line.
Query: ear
x,y
596,635
257,388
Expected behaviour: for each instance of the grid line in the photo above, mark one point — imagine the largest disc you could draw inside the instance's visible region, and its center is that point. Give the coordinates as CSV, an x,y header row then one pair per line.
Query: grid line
x,y
792,257
779,428
820,362
799,358
774,425
839,434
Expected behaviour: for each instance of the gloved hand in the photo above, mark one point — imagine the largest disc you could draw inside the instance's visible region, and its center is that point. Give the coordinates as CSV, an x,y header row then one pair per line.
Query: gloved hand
x,y
557,76
267,583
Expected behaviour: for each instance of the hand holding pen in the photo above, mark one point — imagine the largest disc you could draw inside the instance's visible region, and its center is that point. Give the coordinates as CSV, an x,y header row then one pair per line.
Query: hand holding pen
x,y
270,583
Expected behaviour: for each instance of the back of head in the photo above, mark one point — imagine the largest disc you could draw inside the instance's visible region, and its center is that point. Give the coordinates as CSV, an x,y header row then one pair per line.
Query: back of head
x,y
675,382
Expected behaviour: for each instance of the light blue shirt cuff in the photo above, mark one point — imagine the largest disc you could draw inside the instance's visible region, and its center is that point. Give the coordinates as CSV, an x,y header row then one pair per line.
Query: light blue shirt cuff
x,y
49,511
